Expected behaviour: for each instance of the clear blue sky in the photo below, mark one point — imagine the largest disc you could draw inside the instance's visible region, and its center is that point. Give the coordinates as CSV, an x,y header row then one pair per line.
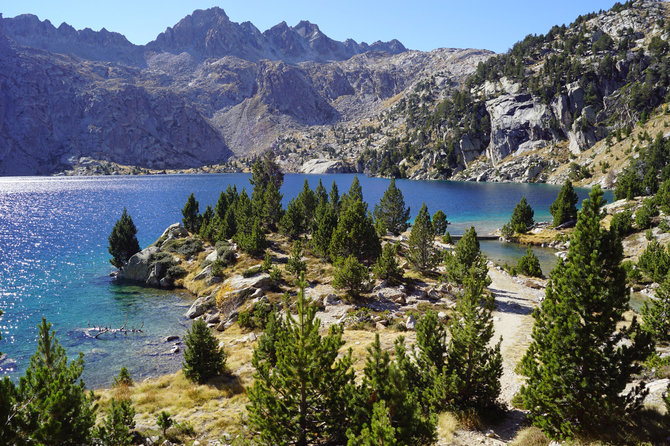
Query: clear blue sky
x,y
418,24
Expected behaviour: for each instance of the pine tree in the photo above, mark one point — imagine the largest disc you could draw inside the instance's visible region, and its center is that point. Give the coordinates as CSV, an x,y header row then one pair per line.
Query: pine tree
x,y
203,359
123,242
387,267
466,256
422,253
244,214
326,224
379,433
354,194
529,264
522,217
656,315
254,242
350,275
355,234
579,361
292,223
334,198
384,382
228,225
117,427
191,213
295,263
309,202
473,369
8,409
304,398
206,230
272,210
265,173
321,194
56,407
440,222
564,209
391,210
221,206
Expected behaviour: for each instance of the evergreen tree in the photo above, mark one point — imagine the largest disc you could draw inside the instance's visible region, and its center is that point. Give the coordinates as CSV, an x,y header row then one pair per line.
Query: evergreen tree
x,y
656,313
565,207
379,433
355,234
191,213
386,267
203,359
309,202
221,206
522,217
473,368
421,251
384,382
228,225
391,210
295,263
117,427
465,257
579,361
304,397
254,242
244,214
350,275
326,224
272,210
529,264
265,173
321,194
334,198
8,403
354,194
56,409
206,230
123,242
292,223
440,222
164,421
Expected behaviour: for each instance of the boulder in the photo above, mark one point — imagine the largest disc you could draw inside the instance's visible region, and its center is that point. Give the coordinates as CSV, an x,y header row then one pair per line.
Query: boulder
x,y
239,283
171,338
206,271
212,256
212,318
200,306
138,267
410,323
175,230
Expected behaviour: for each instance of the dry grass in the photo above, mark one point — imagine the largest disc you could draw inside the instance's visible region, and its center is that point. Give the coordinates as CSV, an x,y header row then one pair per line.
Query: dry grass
x,y
531,436
447,423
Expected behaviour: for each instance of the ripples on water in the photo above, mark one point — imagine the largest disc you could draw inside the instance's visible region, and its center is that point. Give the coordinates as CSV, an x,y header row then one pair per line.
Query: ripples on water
x,y
54,260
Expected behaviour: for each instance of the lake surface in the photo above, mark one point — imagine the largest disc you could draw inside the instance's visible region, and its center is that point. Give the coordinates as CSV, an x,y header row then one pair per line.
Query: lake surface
x,y
54,261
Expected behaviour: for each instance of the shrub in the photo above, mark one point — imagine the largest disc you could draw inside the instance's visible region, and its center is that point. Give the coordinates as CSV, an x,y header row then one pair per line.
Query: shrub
x,y
295,264
351,275
116,428
185,246
387,267
529,264
446,238
655,261
250,272
175,272
255,317
124,378
622,223
164,421
203,358
644,214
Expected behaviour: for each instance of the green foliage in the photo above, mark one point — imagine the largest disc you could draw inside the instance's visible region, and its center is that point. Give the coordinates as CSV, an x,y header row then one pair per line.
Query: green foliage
x,y
387,267
185,246
266,179
123,379
579,361
446,238
272,210
303,396
255,317
334,198
350,275
56,409
379,433
117,427
391,210
164,421
123,242
471,375
440,222
465,257
295,263
385,382
203,359
267,261
326,222
253,242
292,223
656,313
622,223
522,217
645,213
309,202
421,251
529,264
655,261
354,194
8,400
564,209
191,213
355,234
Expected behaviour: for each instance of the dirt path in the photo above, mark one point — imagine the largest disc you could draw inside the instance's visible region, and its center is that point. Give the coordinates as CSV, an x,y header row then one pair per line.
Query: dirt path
x,y
513,321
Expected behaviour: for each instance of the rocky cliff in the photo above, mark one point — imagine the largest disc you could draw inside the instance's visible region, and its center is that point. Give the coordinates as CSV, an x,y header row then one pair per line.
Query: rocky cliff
x,y
201,91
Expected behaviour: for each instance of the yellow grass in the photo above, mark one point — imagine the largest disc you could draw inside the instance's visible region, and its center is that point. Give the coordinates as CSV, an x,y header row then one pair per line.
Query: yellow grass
x,y
447,424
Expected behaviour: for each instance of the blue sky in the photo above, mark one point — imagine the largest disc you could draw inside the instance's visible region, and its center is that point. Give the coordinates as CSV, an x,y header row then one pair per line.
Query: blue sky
x,y
419,24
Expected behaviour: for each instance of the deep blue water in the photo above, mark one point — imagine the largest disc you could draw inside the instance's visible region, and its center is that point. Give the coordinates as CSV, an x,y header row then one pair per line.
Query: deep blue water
x,y
54,260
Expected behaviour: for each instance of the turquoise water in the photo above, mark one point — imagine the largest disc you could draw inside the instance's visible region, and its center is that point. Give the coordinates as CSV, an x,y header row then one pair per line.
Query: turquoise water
x,y
54,260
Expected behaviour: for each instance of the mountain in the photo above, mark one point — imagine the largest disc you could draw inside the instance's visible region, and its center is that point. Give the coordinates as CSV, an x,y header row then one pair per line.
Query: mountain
x,y
541,112
203,90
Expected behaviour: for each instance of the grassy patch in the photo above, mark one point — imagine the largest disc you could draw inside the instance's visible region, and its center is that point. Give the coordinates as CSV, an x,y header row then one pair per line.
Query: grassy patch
x,y
447,423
